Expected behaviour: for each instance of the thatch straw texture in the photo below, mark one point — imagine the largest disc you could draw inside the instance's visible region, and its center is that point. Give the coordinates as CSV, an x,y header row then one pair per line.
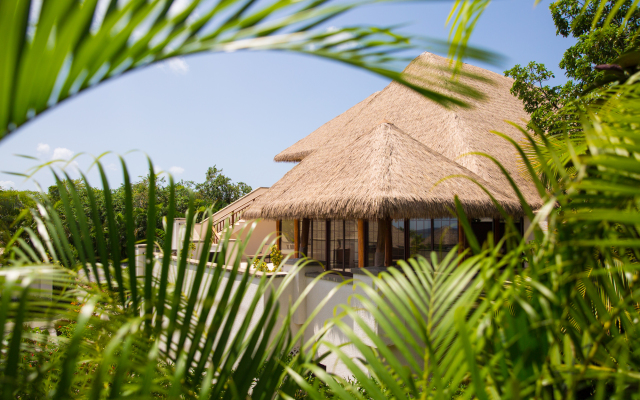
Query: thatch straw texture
x,y
382,173
451,132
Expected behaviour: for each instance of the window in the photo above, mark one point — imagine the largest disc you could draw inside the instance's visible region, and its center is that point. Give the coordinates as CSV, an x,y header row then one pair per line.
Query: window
x,y
420,238
373,243
318,240
445,233
287,244
344,244
397,240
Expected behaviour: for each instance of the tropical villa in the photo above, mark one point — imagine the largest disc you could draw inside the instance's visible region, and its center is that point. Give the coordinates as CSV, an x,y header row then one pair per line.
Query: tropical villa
x,y
369,187
373,186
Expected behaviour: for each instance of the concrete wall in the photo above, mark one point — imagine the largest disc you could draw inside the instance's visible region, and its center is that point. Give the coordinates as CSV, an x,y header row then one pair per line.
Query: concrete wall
x,y
291,293
263,231
244,311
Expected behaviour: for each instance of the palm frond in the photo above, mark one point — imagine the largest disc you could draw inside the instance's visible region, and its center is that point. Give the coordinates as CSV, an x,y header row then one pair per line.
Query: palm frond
x,y
216,327
85,43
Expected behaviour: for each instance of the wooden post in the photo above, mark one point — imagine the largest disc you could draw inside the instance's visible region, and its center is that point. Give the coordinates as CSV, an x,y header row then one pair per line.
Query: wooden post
x,y
304,237
362,254
496,231
388,244
278,234
296,238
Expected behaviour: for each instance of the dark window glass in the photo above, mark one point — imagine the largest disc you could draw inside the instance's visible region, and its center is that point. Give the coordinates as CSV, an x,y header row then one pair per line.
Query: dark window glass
x,y
397,240
420,237
445,231
336,246
344,244
318,239
373,243
351,243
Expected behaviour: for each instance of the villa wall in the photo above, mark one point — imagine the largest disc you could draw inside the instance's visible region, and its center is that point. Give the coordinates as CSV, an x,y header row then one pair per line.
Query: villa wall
x,y
317,298
262,237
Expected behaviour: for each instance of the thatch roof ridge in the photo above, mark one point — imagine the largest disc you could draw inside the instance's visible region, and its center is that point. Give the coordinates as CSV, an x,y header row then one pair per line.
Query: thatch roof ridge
x,y
320,136
383,173
452,132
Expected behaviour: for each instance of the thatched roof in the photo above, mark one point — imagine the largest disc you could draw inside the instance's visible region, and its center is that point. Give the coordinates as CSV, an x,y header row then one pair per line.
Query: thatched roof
x,y
452,131
382,173
322,135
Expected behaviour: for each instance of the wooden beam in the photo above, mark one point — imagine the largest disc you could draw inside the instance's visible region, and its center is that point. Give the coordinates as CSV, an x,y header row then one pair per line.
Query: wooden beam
x,y
296,238
362,253
388,244
304,237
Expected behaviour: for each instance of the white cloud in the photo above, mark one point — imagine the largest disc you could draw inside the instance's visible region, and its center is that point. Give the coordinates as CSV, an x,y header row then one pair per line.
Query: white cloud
x,y
112,167
43,149
157,169
177,65
7,184
62,153
176,170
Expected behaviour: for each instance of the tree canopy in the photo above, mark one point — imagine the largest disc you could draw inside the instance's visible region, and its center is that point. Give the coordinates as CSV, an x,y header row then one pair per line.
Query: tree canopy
x,y
217,191
602,36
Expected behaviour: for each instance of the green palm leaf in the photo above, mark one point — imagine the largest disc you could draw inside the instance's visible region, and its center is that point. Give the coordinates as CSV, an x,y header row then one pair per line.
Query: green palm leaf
x,y
184,331
83,44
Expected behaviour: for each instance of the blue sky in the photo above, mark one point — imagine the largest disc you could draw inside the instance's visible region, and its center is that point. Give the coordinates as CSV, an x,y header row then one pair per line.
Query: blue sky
x,y
238,110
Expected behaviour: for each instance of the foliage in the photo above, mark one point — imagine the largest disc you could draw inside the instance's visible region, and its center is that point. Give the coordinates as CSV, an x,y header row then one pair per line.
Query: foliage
x,y
260,265
218,189
541,101
128,338
84,44
485,325
480,324
111,333
17,203
13,215
276,257
192,250
602,33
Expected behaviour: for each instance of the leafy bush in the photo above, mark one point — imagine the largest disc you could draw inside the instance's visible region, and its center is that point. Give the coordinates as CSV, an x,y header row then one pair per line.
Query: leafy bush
x,y
276,257
260,265
276,260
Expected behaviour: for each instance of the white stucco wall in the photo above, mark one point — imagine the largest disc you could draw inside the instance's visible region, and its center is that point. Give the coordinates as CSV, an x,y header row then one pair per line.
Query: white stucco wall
x,y
318,294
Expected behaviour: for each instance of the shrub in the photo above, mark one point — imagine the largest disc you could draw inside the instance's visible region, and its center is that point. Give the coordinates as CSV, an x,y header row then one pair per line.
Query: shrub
x,y
276,257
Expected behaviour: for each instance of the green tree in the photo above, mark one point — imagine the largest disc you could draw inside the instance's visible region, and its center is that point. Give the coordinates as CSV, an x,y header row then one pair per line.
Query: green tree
x,y
602,36
219,190
15,215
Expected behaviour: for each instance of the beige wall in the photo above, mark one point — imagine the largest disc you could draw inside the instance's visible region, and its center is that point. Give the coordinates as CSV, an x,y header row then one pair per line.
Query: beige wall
x,y
263,236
